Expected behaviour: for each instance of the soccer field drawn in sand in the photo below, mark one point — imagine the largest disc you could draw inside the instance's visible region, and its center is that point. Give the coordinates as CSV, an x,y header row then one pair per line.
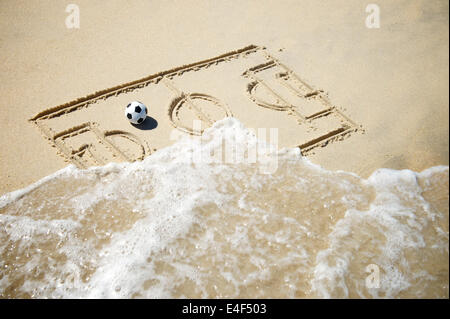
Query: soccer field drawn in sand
x,y
248,84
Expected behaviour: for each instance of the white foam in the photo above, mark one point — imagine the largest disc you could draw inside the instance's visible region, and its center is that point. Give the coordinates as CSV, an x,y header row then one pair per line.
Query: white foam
x,y
7,198
218,228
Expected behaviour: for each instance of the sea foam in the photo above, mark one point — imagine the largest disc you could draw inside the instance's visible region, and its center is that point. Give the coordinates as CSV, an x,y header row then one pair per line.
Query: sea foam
x,y
182,225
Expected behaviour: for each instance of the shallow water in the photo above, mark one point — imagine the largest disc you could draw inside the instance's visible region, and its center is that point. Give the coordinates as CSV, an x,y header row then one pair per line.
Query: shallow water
x,y
172,227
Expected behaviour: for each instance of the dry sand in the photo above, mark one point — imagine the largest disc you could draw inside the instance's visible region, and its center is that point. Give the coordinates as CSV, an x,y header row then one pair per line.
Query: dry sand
x,y
388,86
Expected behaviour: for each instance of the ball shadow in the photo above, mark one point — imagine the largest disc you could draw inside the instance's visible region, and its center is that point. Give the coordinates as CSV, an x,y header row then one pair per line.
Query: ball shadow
x,y
149,124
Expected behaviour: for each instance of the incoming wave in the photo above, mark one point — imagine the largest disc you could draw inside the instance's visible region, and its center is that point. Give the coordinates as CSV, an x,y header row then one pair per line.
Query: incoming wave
x,y
173,227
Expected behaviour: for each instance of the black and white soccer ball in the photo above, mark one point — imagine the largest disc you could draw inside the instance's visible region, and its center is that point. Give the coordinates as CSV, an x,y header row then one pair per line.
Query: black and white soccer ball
x,y
136,112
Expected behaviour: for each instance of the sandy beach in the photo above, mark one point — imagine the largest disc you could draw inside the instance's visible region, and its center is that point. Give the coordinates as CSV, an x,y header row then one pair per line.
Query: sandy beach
x,y
392,81
350,98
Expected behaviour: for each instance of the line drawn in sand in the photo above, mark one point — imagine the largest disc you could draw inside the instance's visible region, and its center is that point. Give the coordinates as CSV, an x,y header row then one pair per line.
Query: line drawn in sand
x,y
102,146
189,100
270,84
305,103
88,154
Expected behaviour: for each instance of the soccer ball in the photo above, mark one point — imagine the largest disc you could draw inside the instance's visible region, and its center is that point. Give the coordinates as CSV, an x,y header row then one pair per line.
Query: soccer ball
x,y
136,112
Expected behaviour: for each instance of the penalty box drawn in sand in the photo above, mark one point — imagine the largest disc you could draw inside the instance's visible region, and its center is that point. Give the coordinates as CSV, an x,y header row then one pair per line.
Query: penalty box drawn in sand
x,y
248,84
